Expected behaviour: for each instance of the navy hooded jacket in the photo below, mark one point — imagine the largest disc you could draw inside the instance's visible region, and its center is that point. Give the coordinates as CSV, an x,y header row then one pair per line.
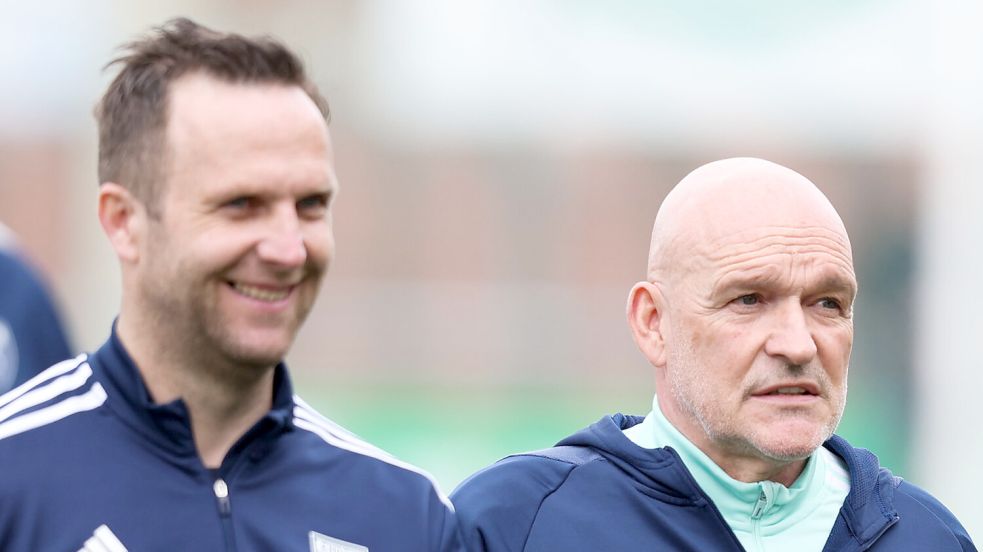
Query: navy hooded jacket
x,y
596,490
89,462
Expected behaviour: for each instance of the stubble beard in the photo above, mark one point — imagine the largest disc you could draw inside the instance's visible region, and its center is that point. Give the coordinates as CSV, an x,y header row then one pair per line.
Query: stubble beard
x,y
192,326
691,385
221,338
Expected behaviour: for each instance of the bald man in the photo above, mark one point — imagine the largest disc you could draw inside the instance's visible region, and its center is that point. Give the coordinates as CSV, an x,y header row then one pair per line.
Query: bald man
x,y
747,317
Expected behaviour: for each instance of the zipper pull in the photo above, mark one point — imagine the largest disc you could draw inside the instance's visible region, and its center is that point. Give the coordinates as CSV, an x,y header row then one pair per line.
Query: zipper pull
x,y
759,505
222,494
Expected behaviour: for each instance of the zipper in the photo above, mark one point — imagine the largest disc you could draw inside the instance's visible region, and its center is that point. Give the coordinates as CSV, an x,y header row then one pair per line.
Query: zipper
x,y
760,506
221,490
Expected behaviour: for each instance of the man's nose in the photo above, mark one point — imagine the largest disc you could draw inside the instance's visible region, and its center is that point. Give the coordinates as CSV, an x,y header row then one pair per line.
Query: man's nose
x,y
791,337
283,241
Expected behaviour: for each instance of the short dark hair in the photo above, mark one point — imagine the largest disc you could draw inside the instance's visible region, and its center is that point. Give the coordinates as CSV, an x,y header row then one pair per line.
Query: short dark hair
x,y
132,114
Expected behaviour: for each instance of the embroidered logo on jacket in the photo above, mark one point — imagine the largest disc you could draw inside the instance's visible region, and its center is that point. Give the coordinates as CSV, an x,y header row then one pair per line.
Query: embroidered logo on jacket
x,y
103,539
324,543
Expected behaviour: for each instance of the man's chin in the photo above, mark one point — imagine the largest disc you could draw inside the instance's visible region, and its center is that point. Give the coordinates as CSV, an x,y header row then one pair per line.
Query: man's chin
x,y
259,354
248,341
789,447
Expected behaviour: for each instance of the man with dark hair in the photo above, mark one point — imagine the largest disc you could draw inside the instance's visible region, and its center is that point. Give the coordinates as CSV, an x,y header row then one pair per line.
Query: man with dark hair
x,y
32,336
747,318
182,432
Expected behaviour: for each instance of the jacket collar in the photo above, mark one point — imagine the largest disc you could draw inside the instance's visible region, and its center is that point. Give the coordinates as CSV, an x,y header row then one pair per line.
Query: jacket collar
x,y
869,508
168,425
867,512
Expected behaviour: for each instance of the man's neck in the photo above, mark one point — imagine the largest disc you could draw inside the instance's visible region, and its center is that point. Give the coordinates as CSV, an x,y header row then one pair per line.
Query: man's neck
x,y
751,469
747,466
223,401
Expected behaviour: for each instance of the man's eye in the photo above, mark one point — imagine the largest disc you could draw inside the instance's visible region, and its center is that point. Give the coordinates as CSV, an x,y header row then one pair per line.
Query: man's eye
x,y
829,303
748,300
239,203
313,205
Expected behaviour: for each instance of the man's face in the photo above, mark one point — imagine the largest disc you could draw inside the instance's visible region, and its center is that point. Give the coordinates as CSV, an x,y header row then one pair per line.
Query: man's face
x,y
758,340
233,264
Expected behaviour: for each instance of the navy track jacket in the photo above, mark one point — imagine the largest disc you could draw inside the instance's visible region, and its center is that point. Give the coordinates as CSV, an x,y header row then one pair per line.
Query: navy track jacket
x,y
88,462
596,490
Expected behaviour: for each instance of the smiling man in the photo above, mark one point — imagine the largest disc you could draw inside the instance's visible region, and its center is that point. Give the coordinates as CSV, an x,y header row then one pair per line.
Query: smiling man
x,y
747,319
182,432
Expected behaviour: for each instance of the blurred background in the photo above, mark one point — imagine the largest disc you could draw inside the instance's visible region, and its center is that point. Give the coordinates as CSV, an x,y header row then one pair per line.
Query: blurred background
x,y
501,164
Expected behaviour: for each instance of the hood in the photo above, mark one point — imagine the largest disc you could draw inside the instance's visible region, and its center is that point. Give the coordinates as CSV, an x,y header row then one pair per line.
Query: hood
x,y
659,472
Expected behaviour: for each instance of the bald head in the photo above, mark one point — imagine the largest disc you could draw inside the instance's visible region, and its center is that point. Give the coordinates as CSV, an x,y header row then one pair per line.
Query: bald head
x,y
732,198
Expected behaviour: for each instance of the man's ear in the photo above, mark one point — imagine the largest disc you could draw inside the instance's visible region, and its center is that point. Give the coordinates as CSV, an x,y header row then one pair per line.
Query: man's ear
x,y
123,219
646,317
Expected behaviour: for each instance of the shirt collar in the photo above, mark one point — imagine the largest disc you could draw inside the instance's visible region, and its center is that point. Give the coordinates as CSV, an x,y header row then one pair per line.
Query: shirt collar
x,y
169,424
772,503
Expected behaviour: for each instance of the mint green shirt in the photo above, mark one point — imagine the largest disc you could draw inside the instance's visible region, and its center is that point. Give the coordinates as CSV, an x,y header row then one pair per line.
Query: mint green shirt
x,y
765,516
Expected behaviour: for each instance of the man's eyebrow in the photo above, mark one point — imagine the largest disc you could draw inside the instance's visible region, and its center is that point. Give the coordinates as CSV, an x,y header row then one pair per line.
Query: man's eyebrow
x,y
838,282
832,280
745,279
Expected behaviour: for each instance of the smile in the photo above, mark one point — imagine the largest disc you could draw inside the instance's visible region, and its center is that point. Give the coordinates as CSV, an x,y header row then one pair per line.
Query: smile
x,y
269,295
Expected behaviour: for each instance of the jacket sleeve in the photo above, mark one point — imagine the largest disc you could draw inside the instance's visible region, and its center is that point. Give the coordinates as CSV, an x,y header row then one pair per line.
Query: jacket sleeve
x,y
497,506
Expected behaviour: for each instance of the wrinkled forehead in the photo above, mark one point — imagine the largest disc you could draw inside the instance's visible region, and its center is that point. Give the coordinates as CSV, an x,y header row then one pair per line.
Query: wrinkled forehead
x,y
773,252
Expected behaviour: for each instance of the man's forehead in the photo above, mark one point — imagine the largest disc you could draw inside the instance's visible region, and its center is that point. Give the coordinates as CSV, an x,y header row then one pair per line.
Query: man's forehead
x,y
764,252
200,104
827,263
760,239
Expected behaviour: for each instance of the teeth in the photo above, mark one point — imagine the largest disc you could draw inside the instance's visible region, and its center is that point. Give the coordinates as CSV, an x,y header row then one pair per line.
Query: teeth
x,y
790,391
261,294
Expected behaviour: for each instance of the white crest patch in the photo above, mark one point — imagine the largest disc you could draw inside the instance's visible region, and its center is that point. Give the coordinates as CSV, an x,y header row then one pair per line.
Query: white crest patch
x,y
8,356
324,543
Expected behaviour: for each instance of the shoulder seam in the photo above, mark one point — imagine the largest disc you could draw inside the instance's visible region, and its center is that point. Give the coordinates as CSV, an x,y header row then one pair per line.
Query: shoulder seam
x,y
591,456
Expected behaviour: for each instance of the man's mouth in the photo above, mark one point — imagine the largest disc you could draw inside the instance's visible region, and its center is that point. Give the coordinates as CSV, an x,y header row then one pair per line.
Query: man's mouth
x,y
789,391
802,390
266,294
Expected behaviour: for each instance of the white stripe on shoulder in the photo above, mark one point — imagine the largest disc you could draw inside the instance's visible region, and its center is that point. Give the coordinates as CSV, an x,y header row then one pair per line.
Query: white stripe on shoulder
x,y
307,412
62,367
91,399
308,419
337,430
63,384
363,447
